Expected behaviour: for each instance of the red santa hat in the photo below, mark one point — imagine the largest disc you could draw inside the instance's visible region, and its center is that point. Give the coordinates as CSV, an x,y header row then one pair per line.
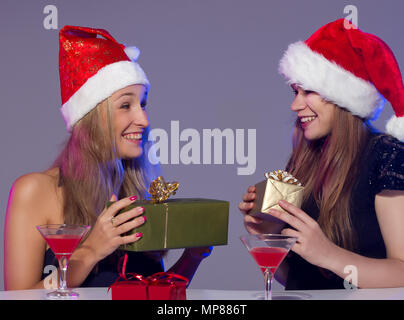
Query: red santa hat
x,y
353,69
92,66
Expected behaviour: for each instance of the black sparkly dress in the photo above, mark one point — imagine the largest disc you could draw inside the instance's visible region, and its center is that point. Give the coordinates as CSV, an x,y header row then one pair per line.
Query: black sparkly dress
x,y
382,167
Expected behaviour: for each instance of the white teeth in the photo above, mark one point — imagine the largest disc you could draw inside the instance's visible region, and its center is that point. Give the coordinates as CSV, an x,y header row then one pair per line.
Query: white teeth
x,y
133,136
307,119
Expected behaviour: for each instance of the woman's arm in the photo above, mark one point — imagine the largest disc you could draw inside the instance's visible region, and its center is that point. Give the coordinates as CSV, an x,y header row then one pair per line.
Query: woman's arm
x,y
378,273
189,262
34,200
256,225
104,238
316,248
24,248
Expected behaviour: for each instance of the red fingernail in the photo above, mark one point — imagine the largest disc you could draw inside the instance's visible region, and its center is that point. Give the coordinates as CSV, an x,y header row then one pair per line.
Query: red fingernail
x,y
133,198
144,217
139,234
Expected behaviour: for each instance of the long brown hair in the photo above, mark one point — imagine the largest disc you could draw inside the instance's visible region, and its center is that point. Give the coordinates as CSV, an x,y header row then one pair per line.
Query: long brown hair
x,y
90,170
328,168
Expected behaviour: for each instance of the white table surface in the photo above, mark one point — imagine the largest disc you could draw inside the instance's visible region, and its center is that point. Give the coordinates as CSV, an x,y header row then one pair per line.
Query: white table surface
x,y
205,294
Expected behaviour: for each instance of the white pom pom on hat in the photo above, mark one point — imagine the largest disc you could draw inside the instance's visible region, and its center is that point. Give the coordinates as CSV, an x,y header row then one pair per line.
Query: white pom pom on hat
x,y
132,53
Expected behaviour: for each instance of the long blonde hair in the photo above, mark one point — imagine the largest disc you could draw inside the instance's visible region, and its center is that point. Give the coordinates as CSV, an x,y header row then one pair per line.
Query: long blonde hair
x,y
328,169
90,170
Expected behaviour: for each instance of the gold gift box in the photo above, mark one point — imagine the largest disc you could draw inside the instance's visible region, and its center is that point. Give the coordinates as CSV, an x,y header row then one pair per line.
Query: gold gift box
x,y
270,191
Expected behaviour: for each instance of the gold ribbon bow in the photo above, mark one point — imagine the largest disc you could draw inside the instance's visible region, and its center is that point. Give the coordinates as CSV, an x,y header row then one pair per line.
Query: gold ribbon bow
x,y
160,190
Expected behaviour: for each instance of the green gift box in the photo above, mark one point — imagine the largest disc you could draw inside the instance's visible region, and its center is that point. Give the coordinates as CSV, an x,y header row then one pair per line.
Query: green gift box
x,y
181,223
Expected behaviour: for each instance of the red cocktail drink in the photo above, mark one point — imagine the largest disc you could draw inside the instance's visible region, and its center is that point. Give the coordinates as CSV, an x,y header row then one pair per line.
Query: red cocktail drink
x,y
63,240
267,257
63,245
268,251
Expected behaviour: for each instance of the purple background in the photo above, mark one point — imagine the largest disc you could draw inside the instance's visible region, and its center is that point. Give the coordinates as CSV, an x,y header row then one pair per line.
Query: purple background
x,y
212,64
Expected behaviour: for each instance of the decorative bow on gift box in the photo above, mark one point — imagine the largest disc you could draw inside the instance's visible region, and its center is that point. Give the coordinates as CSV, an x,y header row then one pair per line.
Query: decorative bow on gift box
x,y
178,223
161,190
159,286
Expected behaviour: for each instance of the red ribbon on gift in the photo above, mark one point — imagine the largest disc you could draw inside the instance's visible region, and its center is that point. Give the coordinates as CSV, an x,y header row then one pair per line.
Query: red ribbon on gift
x,y
165,277
159,278
123,275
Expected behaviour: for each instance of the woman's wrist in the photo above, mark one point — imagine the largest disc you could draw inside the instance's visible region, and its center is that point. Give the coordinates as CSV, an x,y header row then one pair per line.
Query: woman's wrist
x,y
88,251
191,257
87,254
188,263
332,259
197,254
81,263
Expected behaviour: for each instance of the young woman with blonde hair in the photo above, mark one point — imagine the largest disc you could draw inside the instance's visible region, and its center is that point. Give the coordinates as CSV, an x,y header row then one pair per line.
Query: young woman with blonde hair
x,y
353,176
104,95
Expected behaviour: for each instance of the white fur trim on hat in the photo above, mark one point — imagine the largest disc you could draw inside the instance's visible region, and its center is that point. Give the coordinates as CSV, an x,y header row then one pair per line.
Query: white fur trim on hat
x,y
395,127
103,84
312,71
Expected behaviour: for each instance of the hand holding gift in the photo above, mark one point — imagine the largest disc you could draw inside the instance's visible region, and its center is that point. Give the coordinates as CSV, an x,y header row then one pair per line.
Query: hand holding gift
x,y
179,223
279,185
108,233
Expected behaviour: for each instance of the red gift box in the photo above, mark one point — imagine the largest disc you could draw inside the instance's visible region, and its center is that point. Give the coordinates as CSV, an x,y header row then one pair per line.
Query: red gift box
x,y
159,286
129,290
167,292
167,286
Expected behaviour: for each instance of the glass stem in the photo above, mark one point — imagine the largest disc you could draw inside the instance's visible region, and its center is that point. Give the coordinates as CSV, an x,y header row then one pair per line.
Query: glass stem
x,y
63,261
268,276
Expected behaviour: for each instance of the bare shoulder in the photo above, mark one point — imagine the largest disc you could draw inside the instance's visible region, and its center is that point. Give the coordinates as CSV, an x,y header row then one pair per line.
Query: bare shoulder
x,y
33,201
33,185
39,191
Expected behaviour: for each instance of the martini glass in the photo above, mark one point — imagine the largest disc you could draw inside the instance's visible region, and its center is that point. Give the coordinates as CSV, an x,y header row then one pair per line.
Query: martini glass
x,y
268,251
63,239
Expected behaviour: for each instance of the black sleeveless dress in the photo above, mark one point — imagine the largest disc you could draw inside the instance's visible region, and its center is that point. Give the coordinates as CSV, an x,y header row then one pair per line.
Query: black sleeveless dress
x,y
382,168
106,271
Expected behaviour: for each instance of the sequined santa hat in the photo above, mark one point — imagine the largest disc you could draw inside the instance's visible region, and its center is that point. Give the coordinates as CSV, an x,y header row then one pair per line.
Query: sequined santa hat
x,y
353,69
92,66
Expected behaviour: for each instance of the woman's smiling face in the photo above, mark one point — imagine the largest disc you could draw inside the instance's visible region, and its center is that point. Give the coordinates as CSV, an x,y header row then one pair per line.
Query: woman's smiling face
x,y
315,115
129,120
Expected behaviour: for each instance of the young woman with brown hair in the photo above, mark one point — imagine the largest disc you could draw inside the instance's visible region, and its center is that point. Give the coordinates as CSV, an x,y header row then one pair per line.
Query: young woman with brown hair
x,y
353,176
104,95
